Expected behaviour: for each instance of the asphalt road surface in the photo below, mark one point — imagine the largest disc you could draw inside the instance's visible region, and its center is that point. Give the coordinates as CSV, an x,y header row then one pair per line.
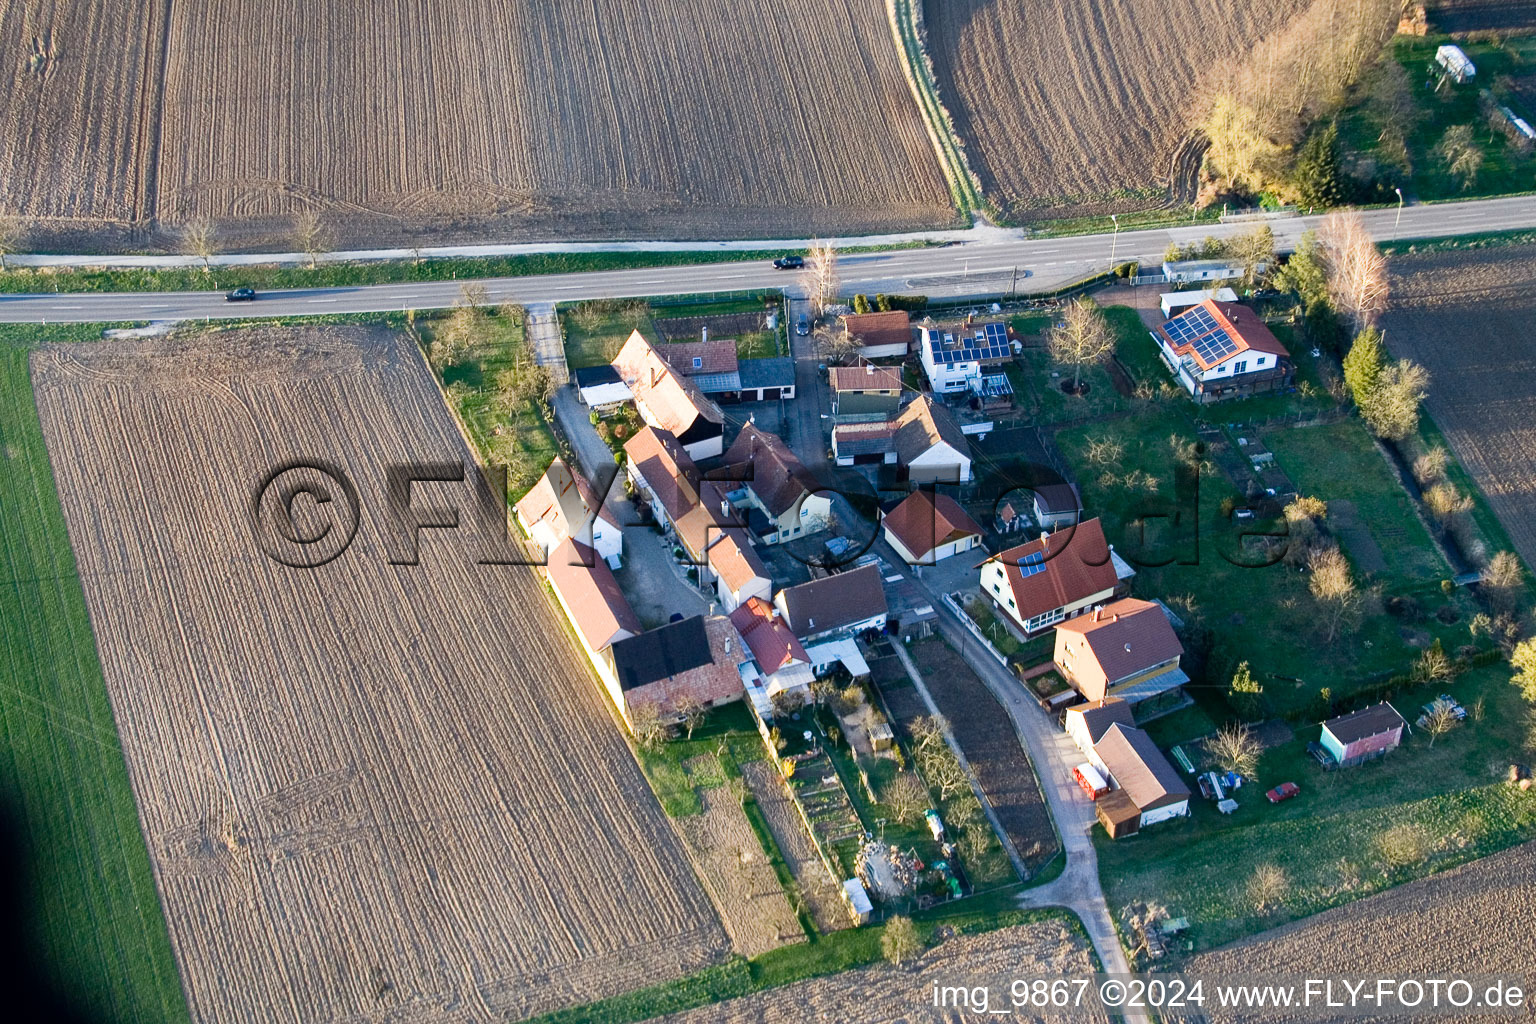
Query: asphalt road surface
x,y
968,269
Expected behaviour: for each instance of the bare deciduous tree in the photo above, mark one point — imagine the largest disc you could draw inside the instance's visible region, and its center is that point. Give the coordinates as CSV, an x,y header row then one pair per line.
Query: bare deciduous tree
x,y
200,238
907,797
646,724
692,711
1503,579
1235,749
1430,467
1433,665
1084,338
1268,887
1392,409
928,732
1333,584
820,278
1459,152
899,942
313,235
1403,846
1357,271
1105,451
837,346
1439,719
943,771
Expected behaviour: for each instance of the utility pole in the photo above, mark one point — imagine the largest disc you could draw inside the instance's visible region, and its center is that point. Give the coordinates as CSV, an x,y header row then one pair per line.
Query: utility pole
x,y
1399,220
1114,239
1013,284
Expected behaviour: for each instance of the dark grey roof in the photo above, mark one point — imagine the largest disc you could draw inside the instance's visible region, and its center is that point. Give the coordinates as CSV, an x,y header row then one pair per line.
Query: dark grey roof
x,y
1053,498
592,376
660,653
767,373
835,601
1371,721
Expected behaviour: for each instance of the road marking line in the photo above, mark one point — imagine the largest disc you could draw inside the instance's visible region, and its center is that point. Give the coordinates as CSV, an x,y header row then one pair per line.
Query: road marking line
x,y
66,307
322,300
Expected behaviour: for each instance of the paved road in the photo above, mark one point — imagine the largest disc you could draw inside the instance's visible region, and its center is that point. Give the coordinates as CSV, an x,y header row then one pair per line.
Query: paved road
x,y
986,264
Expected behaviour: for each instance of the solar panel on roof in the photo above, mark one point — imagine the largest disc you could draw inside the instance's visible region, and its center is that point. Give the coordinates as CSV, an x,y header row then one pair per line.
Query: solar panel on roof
x,y
1032,564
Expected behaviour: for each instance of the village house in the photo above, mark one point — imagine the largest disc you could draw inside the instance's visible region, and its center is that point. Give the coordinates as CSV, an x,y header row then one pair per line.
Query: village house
x,y
767,481
601,387
695,660
844,604
1221,350
1125,649
779,663
710,365
585,588
927,527
1086,724
1055,577
715,540
1145,778
662,473
881,335
669,401
1363,735
865,394
924,440
561,506
954,360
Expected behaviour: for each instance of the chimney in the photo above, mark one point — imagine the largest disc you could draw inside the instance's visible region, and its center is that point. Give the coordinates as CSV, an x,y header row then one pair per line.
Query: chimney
x,y
1098,613
869,369
704,332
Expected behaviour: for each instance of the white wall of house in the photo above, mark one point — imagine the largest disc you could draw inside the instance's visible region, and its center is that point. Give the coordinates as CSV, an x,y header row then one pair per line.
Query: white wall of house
x,y
1177,810
730,600
941,463
1078,730
1230,368
994,584
893,350
947,377
938,554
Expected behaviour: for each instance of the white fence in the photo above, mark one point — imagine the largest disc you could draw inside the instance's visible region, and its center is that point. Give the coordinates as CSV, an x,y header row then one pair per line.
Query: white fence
x,y
970,624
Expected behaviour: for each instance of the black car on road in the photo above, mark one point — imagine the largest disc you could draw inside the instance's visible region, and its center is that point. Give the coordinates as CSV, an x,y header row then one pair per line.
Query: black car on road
x,y
241,295
789,263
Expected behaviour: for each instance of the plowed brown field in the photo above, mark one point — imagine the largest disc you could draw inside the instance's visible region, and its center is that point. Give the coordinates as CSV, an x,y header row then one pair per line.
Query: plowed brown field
x,y
370,792
1070,103
1468,316
504,118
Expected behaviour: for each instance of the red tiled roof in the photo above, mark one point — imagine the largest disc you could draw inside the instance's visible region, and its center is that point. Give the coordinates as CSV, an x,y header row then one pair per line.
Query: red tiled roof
x,y
865,378
892,328
1100,715
589,591
666,468
1242,325
1076,565
772,642
564,500
716,680
716,356
666,398
922,425
1119,640
925,520
767,467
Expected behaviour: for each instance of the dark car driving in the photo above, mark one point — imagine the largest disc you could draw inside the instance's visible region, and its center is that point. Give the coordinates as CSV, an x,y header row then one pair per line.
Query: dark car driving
x,y
789,262
241,295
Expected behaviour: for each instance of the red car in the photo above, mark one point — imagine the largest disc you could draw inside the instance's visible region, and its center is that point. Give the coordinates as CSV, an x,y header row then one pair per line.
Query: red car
x,y
1284,791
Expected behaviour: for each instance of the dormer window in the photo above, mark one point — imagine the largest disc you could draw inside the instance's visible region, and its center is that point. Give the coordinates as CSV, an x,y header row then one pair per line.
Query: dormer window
x,y
698,362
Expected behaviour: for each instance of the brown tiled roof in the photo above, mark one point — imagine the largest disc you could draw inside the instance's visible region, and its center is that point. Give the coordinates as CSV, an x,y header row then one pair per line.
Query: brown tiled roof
x,y
1076,566
1242,325
587,587
666,468
772,642
564,500
707,679
864,438
1371,721
716,356
1139,768
732,558
922,425
892,328
868,377
1099,716
925,520
769,469
1119,640
672,401
834,601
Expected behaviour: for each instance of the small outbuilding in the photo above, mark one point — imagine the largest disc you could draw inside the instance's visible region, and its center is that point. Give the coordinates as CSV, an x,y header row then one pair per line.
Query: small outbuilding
x,y
1458,67
601,388
1174,303
1118,813
857,899
1363,735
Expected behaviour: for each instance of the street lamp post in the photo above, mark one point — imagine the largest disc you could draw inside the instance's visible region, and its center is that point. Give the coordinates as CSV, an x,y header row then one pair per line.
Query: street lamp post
x,y
1114,239
1399,219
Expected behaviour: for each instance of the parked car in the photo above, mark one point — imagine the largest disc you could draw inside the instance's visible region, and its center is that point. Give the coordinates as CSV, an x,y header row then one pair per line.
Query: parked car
x,y
802,327
1284,791
789,263
241,295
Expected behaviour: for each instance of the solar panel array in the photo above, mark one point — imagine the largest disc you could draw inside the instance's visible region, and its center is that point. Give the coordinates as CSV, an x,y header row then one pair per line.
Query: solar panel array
x,y
1198,329
1032,564
991,344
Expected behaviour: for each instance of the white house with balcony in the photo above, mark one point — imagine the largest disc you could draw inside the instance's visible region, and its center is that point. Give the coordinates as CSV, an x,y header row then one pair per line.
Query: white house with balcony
x,y
953,358
1220,350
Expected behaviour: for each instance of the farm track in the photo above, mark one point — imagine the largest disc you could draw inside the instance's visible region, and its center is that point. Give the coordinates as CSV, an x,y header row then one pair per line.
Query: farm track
x,y
610,119
1063,104
1466,316
368,791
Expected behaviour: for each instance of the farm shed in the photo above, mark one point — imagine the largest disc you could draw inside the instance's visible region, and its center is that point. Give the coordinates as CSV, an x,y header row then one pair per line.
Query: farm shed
x,y
1174,303
1126,649
1143,774
881,335
601,388
833,652
927,527
1453,60
1087,723
1191,271
865,394
1118,814
591,599
858,900
843,604
1362,735
767,380
1057,505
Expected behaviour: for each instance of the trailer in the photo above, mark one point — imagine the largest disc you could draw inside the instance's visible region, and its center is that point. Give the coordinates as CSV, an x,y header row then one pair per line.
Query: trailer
x,y
1088,777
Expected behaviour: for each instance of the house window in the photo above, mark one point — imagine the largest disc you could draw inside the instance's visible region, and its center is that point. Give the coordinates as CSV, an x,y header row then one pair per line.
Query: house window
x,y
1259,361
698,362
1241,366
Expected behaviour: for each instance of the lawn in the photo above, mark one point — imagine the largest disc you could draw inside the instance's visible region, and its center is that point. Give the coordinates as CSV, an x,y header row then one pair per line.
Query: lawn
x,y
93,928
1172,530
1450,794
727,738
